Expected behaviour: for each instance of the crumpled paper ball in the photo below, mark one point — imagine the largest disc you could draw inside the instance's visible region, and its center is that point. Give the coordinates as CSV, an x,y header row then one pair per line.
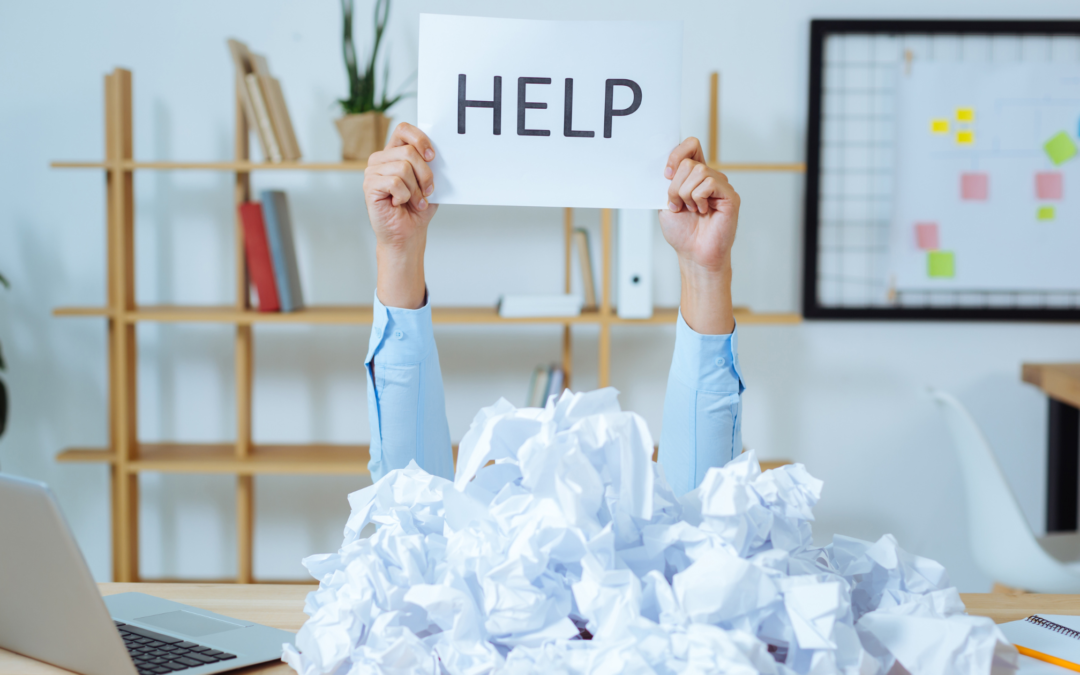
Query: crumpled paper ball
x,y
560,548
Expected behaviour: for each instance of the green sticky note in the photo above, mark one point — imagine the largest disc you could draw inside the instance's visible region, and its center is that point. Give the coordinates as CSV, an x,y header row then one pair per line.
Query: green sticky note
x,y
1060,148
940,265
1046,213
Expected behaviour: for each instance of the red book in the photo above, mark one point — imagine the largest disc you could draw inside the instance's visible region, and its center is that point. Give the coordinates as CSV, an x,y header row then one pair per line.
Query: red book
x,y
257,250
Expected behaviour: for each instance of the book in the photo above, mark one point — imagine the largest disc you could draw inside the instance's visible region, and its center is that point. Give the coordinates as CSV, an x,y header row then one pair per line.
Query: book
x,y
538,387
282,250
262,117
527,306
1052,638
276,107
242,63
257,253
588,282
555,382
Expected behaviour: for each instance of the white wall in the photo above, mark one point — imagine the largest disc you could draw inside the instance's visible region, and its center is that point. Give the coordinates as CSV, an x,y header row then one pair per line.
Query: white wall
x,y
845,398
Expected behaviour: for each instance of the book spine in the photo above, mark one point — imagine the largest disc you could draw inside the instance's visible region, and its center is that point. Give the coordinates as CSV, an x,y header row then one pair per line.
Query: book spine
x,y
272,216
588,283
292,268
258,102
240,56
290,148
257,253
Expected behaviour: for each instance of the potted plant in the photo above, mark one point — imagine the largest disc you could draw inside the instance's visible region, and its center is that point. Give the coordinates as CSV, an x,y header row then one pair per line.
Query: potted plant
x,y
363,127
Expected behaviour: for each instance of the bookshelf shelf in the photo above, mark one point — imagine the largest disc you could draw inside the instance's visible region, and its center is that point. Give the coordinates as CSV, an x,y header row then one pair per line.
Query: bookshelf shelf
x,y
248,167
361,314
126,456
289,459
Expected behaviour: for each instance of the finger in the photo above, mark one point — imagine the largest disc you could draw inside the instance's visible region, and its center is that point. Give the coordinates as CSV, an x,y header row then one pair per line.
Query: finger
x,y
388,187
407,134
408,153
688,149
682,172
686,190
404,171
705,190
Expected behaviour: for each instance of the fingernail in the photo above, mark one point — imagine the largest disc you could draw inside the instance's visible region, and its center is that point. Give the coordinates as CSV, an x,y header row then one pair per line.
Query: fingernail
x,y
423,204
674,209
668,173
429,190
429,154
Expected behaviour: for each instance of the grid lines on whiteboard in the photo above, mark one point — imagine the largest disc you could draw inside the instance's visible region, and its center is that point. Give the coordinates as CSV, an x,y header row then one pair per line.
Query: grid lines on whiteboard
x,y
857,156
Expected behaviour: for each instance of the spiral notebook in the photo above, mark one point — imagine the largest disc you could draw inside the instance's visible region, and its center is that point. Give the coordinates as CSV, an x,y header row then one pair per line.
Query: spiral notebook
x,y
1054,638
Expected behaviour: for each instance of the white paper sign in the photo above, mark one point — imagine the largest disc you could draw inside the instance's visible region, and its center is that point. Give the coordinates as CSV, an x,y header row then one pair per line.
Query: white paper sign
x,y
550,113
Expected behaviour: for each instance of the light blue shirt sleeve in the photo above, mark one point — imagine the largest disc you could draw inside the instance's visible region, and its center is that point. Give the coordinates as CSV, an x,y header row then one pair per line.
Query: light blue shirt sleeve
x,y
406,406
702,408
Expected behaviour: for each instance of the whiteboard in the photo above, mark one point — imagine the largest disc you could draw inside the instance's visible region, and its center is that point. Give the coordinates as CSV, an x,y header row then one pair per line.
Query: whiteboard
x,y
980,202
930,190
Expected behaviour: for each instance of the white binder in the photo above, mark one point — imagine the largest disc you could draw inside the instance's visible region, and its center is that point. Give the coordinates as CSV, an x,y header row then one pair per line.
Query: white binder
x,y
633,264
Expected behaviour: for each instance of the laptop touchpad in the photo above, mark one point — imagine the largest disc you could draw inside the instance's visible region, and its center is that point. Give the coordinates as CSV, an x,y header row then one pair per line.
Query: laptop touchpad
x,y
188,623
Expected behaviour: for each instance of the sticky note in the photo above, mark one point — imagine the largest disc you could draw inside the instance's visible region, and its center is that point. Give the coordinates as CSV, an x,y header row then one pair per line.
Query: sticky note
x,y
1045,213
1060,148
939,126
974,186
940,265
926,236
965,137
1048,185
965,114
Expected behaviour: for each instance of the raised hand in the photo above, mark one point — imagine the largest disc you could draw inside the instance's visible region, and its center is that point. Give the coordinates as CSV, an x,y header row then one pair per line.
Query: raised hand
x,y
397,183
700,224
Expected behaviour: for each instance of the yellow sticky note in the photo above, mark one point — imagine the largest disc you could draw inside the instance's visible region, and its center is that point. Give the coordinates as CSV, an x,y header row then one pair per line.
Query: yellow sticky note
x,y
939,126
965,137
965,114
1045,213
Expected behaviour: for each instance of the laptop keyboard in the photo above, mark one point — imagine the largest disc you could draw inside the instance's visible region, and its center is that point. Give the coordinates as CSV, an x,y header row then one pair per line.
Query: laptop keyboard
x,y
154,653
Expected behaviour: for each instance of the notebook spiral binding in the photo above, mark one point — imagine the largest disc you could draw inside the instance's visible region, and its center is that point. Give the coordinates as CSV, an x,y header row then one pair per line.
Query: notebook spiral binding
x,y
1056,627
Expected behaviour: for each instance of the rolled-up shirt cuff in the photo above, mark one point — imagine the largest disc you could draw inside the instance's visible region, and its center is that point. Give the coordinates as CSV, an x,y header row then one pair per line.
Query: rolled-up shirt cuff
x,y
400,337
707,362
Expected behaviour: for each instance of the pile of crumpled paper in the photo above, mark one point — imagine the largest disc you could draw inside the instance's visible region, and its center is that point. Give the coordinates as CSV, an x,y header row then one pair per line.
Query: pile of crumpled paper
x,y
560,548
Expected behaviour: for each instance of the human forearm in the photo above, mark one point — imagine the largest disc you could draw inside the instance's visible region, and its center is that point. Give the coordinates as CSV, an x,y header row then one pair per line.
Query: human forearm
x,y
400,281
706,297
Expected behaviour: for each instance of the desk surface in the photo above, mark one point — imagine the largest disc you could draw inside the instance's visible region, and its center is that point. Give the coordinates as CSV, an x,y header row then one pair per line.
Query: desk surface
x,y
1059,381
281,606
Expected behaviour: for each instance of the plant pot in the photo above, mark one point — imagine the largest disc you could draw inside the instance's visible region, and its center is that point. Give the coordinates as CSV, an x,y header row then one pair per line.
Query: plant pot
x,y
362,135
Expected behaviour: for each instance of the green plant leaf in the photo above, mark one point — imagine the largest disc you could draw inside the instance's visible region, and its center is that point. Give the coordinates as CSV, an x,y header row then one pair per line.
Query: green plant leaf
x,y
3,364
4,281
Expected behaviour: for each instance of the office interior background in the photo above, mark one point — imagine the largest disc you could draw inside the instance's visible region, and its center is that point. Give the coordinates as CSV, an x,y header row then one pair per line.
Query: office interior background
x,y
848,399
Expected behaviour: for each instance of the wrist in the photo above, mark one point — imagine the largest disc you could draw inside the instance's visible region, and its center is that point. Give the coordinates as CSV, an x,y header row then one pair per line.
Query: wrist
x,y
706,297
400,281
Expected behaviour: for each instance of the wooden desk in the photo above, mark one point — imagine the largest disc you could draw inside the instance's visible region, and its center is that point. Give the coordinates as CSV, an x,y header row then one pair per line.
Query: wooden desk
x,y
281,606
1061,383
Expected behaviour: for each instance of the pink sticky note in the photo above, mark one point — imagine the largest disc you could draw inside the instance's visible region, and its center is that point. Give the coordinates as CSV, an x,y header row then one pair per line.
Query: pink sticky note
x,y
926,236
974,186
1048,185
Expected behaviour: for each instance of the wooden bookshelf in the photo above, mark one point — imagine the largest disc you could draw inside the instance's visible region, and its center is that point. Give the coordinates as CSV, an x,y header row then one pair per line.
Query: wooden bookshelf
x,y
127,456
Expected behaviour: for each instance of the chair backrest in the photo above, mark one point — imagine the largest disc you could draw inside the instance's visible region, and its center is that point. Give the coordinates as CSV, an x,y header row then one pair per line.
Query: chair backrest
x,y
1002,541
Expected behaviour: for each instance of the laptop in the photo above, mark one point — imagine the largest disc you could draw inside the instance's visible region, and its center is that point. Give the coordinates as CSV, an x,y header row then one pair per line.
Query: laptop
x,y
51,610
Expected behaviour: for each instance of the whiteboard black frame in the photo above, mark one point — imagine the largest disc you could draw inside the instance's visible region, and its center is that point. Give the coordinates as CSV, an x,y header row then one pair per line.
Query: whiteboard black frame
x,y
820,29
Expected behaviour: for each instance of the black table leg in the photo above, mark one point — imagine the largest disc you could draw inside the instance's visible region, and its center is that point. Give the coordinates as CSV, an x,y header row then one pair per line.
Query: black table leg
x,y
1062,467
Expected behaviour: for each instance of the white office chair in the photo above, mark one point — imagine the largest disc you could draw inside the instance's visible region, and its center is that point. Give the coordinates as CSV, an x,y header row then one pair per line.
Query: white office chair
x,y
1003,543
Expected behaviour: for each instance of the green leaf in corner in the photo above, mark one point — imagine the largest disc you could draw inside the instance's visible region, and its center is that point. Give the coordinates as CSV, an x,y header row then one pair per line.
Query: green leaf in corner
x,y
3,366
4,281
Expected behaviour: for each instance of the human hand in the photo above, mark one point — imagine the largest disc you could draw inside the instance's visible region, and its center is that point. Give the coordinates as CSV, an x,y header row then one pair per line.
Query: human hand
x,y
700,224
397,182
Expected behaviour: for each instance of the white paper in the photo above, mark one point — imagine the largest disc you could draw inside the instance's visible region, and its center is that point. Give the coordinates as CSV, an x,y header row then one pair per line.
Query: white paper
x,y
479,167
573,532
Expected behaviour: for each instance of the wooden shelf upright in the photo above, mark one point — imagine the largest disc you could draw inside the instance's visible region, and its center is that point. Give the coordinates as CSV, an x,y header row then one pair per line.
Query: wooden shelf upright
x,y
127,457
